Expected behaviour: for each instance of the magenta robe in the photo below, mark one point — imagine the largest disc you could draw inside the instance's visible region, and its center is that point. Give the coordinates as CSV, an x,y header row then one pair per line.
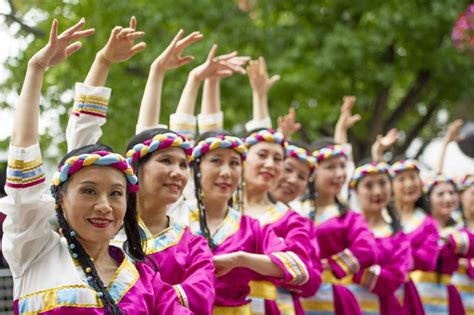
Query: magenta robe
x,y
295,230
185,261
348,245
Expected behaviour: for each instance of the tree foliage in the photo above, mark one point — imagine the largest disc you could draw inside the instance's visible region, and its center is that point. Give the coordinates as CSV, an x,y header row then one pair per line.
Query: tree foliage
x,y
397,57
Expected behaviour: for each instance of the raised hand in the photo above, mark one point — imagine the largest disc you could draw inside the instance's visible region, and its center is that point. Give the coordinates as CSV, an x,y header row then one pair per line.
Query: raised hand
x,y
258,76
382,143
287,124
217,67
453,131
121,44
60,47
171,57
346,119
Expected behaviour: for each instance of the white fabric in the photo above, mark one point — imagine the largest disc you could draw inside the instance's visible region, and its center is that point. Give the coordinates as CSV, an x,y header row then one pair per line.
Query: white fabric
x,y
210,122
263,123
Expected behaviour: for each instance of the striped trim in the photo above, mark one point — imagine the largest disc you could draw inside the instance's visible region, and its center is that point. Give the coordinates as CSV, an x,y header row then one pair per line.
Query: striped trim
x,y
90,105
370,277
294,266
462,242
229,226
182,297
415,221
346,261
163,240
21,174
273,213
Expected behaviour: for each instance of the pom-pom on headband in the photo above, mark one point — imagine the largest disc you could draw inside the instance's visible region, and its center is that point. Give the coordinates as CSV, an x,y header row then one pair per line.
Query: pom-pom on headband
x,y
224,142
466,183
301,154
430,183
266,135
405,165
160,141
329,152
368,169
102,158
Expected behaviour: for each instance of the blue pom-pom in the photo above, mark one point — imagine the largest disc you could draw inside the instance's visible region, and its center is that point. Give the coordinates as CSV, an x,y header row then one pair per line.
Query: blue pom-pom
x,y
72,234
74,255
100,294
72,246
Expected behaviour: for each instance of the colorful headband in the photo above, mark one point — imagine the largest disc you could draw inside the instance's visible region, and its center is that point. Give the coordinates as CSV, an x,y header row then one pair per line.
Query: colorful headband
x,y
369,169
466,183
160,141
329,152
213,143
267,135
405,165
430,183
301,154
102,158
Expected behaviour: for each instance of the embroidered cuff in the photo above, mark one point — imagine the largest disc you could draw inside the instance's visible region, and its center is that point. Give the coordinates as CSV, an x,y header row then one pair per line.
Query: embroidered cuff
x,y
184,124
91,100
263,123
344,263
182,297
25,167
210,122
296,272
370,277
459,240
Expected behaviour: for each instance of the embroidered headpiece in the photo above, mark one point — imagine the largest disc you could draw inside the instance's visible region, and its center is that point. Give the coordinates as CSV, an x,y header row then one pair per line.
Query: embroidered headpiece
x,y
160,141
329,152
301,154
430,183
466,183
213,143
405,165
267,135
367,169
102,158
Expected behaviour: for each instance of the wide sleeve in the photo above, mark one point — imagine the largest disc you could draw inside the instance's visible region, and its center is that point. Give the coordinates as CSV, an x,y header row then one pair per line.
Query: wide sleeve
x,y
196,290
462,243
384,279
87,116
184,124
360,252
301,240
167,300
425,248
262,123
28,206
210,122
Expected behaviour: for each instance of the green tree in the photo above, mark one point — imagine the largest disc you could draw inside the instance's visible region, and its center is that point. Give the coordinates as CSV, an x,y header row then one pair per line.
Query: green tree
x,y
396,56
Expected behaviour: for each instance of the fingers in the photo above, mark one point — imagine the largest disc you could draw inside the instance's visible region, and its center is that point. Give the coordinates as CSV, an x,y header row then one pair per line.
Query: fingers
x,y
212,53
262,66
135,35
133,22
176,38
53,34
184,60
228,56
274,79
234,68
124,32
82,34
72,48
137,48
70,31
240,60
188,40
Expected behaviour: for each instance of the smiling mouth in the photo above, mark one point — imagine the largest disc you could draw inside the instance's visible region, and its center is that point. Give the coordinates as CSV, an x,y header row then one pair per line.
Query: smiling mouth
x,y
173,187
223,186
99,223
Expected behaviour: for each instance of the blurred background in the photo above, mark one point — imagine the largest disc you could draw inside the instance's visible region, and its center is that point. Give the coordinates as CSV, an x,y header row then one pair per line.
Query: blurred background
x,y
399,58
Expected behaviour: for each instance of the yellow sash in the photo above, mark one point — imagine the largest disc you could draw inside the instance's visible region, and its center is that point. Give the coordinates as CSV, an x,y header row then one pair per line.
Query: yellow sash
x,y
429,277
263,289
232,310
328,277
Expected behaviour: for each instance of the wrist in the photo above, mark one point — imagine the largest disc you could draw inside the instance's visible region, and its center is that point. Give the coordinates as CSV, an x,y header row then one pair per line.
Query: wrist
x,y
194,76
36,66
101,59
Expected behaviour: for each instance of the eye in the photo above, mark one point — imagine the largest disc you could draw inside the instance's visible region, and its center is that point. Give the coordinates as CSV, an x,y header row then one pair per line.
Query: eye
x,y
278,158
302,177
165,161
215,160
183,165
117,193
87,191
262,155
288,169
235,163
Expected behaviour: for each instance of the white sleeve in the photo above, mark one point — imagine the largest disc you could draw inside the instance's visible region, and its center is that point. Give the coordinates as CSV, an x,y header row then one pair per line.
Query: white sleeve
x,y
183,124
28,206
263,123
87,116
140,128
210,122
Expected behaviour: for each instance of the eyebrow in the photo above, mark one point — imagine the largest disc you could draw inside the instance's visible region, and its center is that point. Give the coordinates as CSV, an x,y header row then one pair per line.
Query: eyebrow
x,y
89,182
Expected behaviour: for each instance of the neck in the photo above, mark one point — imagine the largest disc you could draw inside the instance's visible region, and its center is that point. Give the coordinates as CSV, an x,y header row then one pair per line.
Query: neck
x,y
216,210
152,213
373,218
404,208
255,197
324,200
441,220
99,252
470,224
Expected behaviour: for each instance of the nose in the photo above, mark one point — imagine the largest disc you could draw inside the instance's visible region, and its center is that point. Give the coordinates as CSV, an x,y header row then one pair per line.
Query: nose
x,y
269,162
290,178
103,204
224,170
177,172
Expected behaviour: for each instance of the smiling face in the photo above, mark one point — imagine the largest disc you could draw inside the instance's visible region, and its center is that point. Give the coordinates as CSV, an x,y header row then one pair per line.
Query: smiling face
x,y
221,172
264,166
444,200
163,176
330,176
373,192
293,183
94,202
407,187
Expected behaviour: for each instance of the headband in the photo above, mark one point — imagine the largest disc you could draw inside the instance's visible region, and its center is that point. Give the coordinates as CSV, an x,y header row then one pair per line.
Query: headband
x,y
466,183
267,135
369,169
158,142
224,142
102,158
435,180
405,165
302,155
329,152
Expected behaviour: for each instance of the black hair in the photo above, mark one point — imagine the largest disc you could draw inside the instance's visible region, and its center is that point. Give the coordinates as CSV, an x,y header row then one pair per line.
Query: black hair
x,y
198,191
133,246
451,222
312,194
3,178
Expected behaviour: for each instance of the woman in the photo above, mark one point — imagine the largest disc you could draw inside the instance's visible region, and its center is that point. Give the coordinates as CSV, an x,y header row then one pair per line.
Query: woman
x,y
347,245
378,283
263,170
93,194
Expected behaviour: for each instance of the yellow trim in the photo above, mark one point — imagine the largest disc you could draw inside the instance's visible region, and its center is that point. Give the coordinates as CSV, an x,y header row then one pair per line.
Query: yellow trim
x,y
25,166
316,305
288,265
329,277
263,289
434,300
126,264
183,126
24,180
429,277
212,126
465,288
232,310
98,100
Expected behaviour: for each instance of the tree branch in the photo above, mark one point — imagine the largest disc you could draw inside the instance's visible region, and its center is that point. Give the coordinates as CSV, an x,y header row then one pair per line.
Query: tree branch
x,y
13,18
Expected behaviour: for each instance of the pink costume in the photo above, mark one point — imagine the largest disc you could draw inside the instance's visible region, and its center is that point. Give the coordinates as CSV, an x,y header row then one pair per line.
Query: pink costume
x,y
47,280
378,283
294,229
463,278
242,233
348,245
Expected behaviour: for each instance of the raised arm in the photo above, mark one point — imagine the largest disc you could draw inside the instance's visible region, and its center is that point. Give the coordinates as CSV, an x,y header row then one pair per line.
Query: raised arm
x,y
452,135
169,59
383,143
346,120
261,83
287,124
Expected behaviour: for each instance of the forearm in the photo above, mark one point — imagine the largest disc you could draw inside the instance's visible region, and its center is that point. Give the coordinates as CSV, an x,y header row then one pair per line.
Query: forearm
x,y
211,97
261,264
260,106
25,127
97,75
187,102
442,154
340,134
151,102
376,153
